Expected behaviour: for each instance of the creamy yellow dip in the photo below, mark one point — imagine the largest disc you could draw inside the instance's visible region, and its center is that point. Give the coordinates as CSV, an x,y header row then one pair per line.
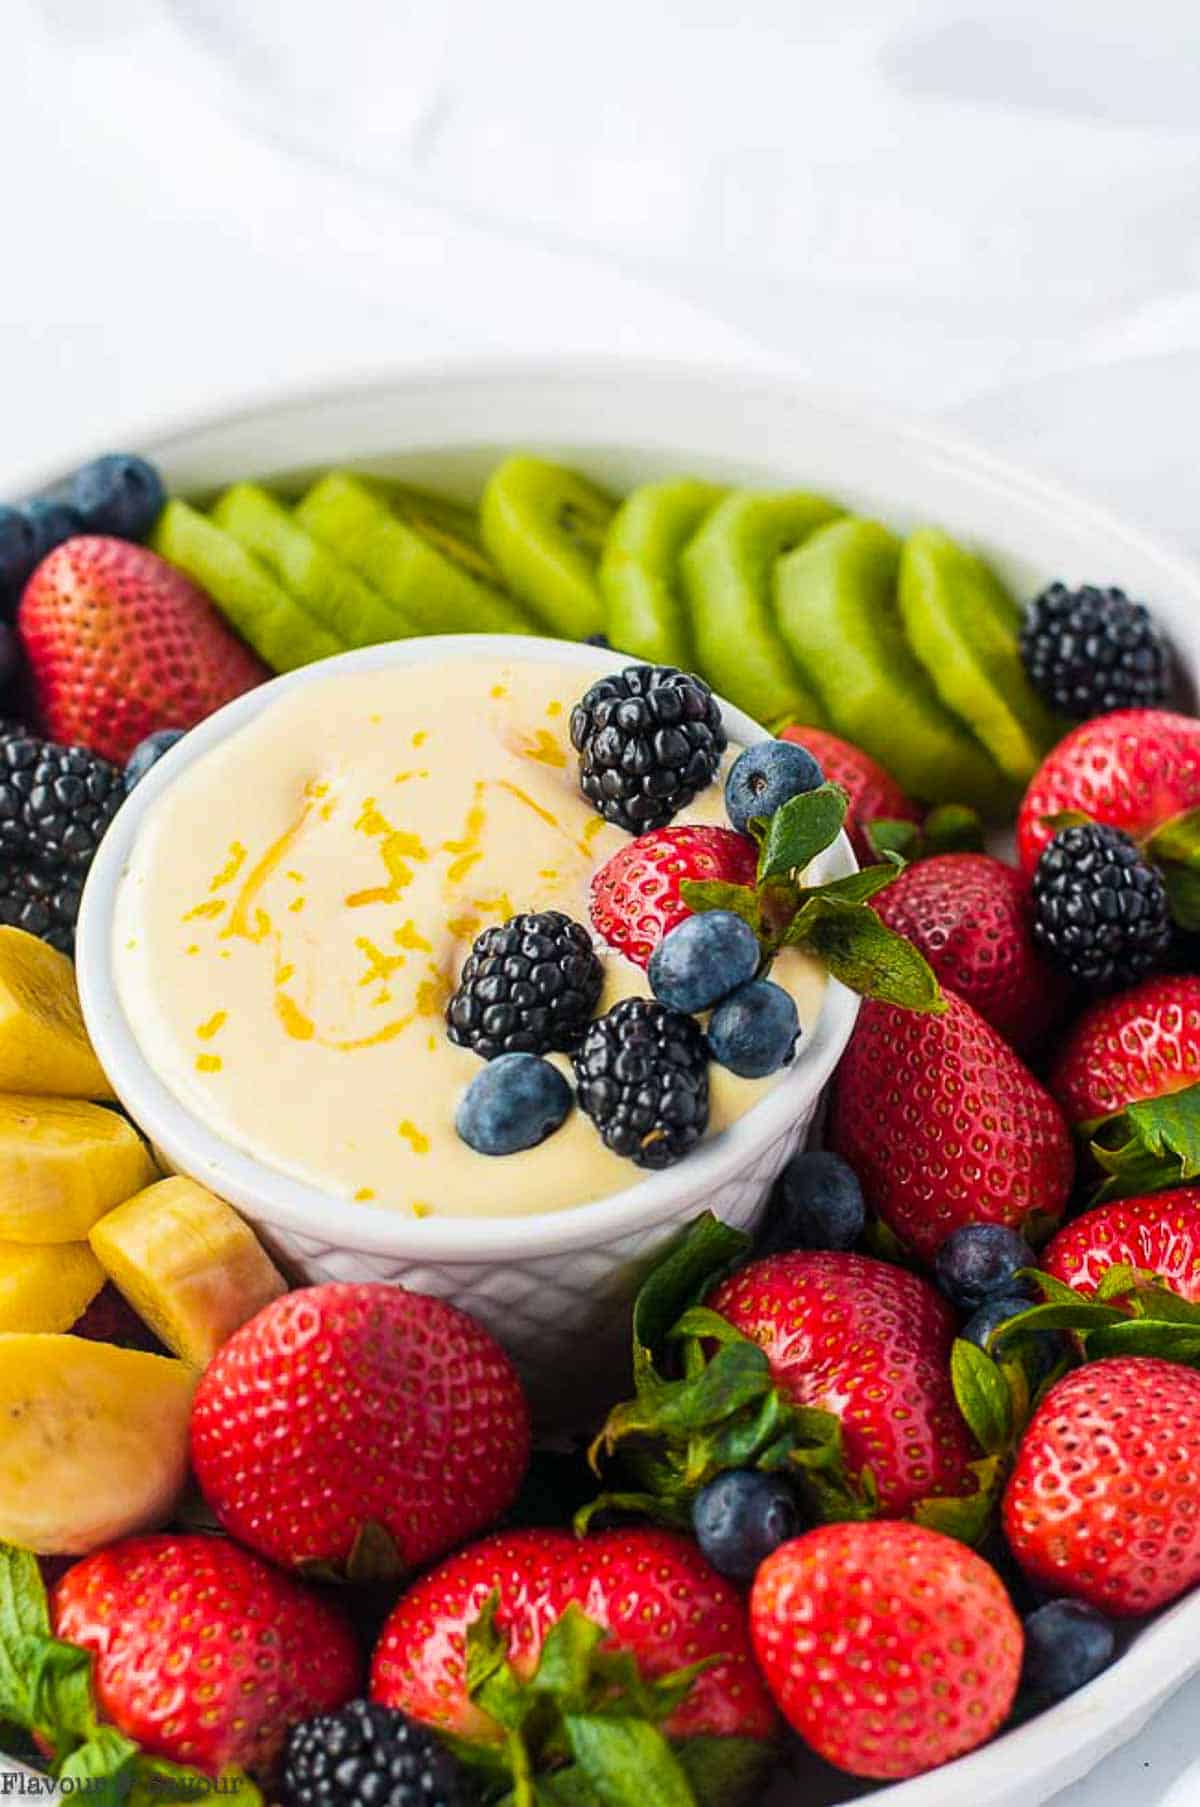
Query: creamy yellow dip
x,y
299,904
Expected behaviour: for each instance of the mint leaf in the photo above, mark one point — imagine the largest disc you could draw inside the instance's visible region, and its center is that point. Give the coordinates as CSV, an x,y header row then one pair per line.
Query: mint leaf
x,y
60,1686
1065,818
102,1769
983,1397
23,1617
701,894
857,948
952,828
887,836
857,887
803,827
157,1783
627,1762
1149,1145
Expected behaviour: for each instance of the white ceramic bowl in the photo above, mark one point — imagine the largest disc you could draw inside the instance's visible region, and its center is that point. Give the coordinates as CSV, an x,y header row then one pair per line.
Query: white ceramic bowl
x,y
554,1286
625,422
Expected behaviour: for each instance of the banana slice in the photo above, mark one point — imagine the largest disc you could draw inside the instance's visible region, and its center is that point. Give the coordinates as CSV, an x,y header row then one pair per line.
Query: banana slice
x,y
44,1046
189,1266
48,1288
63,1164
93,1441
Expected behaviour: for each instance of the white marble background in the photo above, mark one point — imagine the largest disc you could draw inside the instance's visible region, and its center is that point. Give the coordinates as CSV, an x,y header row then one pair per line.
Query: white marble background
x,y
986,211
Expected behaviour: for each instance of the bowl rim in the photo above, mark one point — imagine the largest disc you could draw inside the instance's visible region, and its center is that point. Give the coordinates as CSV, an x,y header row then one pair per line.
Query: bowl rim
x,y
1045,1753
280,1200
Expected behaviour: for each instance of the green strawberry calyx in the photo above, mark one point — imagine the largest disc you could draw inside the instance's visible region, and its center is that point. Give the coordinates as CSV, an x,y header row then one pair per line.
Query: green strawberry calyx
x,y
585,1727
705,1401
832,921
48,1704
1151,1144
949,828
1131,1313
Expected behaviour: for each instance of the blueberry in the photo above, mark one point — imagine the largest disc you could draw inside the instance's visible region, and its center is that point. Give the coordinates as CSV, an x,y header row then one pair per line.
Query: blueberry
x,y
817,1204
979,1261
703,959
741,1517
148,752
18,555
118,494
1046,1347
754,1032
51,522
515,1102
765,777
1066,1644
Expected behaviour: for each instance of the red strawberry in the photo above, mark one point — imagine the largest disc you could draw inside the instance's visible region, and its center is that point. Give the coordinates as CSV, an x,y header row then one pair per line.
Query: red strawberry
x,y
121,644
1158,1235
944,1126
204,1654
341,1410
971,916
890,1648
651,1589
635,894
874,794
1101,1503
870,1343
1143,1043
1133,770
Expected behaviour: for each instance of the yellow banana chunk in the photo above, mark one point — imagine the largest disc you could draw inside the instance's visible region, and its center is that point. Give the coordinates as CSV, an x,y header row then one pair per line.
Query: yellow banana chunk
x,y
48,1288
93,1441
63,1164
189,1266
44,1046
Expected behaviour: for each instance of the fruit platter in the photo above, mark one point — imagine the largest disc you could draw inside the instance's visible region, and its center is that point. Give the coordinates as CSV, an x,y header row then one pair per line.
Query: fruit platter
x,y
599,1109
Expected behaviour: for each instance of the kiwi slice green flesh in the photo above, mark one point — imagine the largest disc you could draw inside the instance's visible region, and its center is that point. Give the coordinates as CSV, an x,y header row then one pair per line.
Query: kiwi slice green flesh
x,y
963,626
836,599
280,630
545,526
308,570
353,520
728,569
640,578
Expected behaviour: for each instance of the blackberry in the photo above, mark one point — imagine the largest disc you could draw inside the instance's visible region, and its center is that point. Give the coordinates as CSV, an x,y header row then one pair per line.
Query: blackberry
x,y
648,740
1100,911
1089,651
368,1755
642,1077
44,903
55,802
528,986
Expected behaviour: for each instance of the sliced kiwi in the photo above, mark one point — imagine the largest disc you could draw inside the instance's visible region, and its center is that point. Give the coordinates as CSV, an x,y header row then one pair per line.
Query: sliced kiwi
x,y
309,571
963,626
836,603
355,520
545,526
275,624
728,571
639,569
